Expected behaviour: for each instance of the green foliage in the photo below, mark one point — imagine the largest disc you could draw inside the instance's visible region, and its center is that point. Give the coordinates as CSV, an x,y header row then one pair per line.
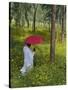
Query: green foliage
x,y
44,72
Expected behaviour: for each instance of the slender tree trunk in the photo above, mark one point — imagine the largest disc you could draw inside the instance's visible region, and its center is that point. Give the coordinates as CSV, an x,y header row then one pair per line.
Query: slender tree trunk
x,y
26,17
34,18
52,46
49,24
63,24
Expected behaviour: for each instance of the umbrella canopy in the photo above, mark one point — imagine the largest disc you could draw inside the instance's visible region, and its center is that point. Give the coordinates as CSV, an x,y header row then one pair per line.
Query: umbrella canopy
x,y
34,39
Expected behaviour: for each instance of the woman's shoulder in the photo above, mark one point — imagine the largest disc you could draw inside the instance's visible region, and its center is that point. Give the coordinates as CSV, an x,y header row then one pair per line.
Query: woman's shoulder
x,y
25,48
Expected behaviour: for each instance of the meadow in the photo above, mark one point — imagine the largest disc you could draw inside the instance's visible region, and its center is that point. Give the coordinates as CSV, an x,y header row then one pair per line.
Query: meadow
x,y
44,72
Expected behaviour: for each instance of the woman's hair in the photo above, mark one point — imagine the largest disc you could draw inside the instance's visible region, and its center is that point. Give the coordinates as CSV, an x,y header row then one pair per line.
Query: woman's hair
x,y
28,44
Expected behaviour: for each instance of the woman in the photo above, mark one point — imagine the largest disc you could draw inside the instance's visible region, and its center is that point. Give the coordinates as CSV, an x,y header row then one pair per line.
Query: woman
x,y
28,58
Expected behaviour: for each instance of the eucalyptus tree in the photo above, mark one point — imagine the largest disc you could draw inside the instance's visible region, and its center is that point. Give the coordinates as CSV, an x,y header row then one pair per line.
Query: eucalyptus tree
x,y
34,7
16,12
26,10
61,19
46,14
20,13
63,23
58,14
52,38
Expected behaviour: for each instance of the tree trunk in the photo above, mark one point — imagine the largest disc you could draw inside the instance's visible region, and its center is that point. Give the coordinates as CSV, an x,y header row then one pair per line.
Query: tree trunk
x,y
26,17
49,24
34,18
52,41
63,24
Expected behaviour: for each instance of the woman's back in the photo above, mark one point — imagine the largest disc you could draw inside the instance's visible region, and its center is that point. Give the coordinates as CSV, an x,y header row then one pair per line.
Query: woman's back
x,y
28,55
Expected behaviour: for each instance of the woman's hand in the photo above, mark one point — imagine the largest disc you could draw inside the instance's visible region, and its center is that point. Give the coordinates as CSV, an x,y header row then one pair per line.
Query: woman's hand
x,y
34,49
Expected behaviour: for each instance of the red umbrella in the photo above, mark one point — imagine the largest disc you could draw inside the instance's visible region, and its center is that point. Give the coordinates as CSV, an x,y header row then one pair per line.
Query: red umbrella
x,y
34,39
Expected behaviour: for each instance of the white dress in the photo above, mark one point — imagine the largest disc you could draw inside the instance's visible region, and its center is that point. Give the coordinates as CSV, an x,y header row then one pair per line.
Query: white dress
x,y
28,60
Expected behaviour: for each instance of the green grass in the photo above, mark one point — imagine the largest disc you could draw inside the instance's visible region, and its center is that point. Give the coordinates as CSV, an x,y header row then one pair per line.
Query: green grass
x,y
44,73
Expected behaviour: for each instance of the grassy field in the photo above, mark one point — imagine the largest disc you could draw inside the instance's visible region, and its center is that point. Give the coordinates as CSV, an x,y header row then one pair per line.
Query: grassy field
x,y
44,73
